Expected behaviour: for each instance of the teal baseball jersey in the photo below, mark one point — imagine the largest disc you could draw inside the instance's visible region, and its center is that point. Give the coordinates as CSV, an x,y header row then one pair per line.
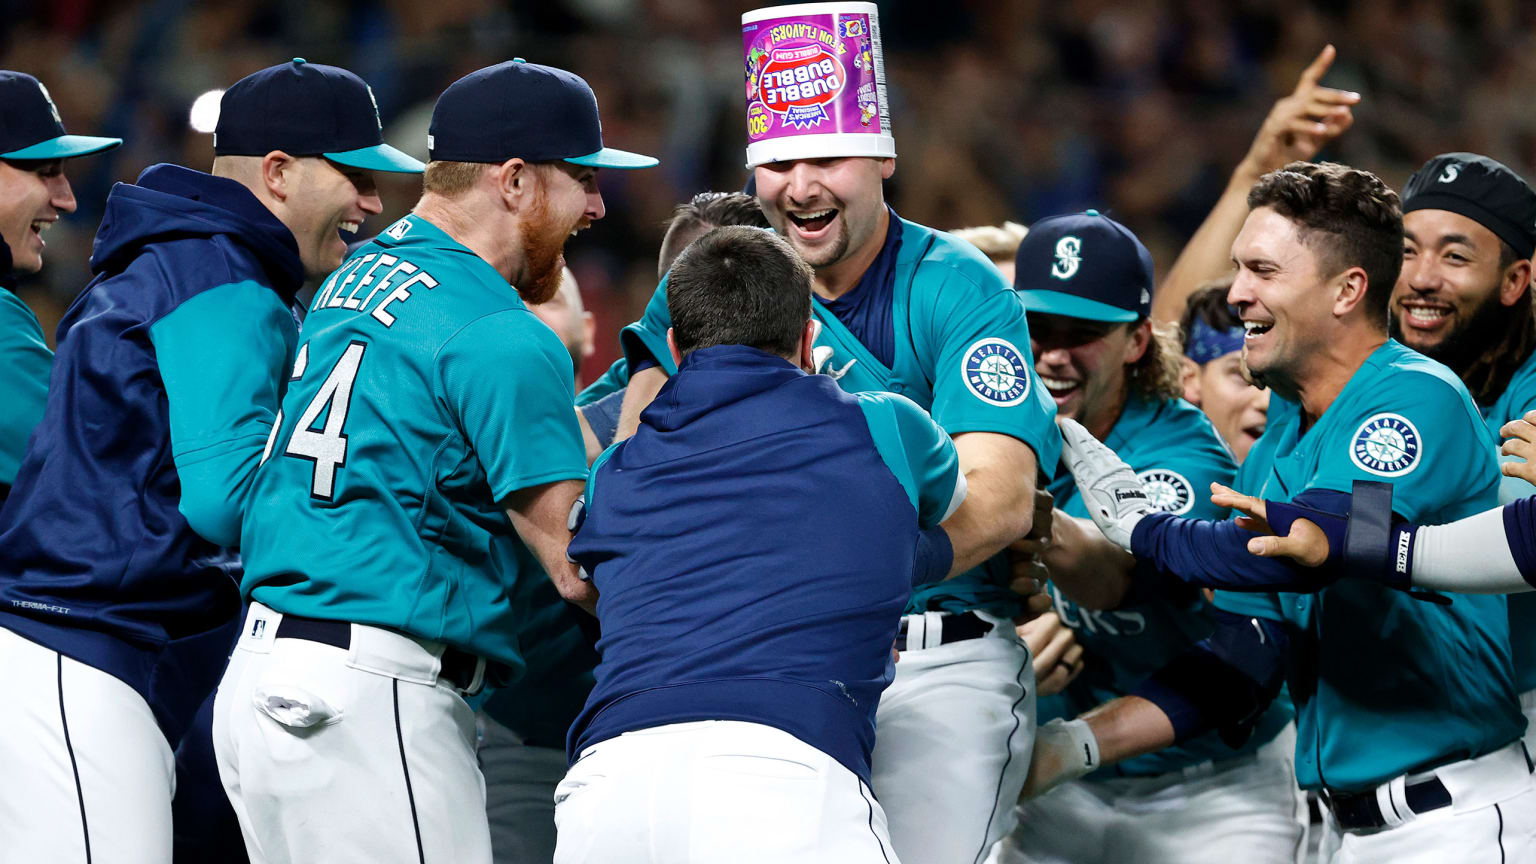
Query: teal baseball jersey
x,y
1177,454
1518,398
1383,683
611,381
27,361
424,392
961,353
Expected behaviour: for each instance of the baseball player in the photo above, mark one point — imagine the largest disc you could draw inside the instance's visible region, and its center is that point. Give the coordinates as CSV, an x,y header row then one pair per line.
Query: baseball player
x,y
600,402
423,466
746,640
117,575
33,192
1408,722
1109,368
1214,377
909,310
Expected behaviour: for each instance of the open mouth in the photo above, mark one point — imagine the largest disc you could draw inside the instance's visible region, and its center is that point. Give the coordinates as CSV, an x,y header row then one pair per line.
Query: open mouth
x,y
1255,329
1060,388
1254,431
813,221
350,226
38,226
1426,315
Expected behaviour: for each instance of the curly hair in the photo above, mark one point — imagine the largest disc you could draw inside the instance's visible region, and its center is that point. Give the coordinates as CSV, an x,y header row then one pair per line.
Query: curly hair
x,y
1348,217
1158,375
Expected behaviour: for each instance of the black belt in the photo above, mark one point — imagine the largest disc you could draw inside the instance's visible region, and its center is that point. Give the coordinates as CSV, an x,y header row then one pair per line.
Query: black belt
x,y
1359,811
458,667
956,628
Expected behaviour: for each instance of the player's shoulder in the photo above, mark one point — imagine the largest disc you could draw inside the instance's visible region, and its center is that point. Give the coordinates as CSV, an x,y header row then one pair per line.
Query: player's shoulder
x,y
1404,382
1519,394
906,414
944,260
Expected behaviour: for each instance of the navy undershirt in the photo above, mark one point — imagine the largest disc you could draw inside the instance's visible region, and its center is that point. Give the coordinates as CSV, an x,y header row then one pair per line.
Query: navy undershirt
x,y
866,310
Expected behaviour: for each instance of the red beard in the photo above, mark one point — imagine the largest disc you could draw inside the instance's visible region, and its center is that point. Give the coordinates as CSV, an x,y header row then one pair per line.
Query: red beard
x,y
543,255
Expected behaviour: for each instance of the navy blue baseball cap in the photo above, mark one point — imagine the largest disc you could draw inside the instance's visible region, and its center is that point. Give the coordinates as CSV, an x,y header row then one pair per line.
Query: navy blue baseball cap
x,y
1084,265
30,127
307,109
522,110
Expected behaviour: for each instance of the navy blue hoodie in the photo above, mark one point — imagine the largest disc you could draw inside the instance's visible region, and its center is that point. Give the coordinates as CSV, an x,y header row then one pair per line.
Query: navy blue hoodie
x,y
170,368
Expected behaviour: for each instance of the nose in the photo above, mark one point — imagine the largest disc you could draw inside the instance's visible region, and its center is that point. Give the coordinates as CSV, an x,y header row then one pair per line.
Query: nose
x,y
370,203
595,208
800,182
1055,356
1261,401
60,195
1420,274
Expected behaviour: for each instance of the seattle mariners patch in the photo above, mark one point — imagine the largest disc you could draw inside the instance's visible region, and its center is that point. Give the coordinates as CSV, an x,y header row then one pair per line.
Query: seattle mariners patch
x,y
996,372
1386,444
1168,491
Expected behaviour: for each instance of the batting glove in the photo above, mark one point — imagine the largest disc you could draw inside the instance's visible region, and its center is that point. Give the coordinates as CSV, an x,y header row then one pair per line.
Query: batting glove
x,y
1115,497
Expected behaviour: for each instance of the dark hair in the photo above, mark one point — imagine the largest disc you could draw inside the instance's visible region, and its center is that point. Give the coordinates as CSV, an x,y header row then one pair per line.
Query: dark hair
x,y
1347,216
739,286
1506,334
702,212
1209,304
1158,375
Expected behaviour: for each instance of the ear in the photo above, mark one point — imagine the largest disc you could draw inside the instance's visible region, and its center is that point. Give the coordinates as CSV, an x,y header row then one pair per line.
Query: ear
x,y
808,345
1516,280
514,180
1352,285
1140,338
677,356
278,174
1189,379
589,330
887,168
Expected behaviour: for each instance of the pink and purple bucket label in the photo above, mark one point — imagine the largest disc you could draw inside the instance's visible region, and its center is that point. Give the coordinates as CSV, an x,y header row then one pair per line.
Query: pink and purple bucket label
x,y
815,83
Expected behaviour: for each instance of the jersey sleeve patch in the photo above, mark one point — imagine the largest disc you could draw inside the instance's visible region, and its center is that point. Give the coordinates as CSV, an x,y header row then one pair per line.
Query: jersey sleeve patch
x,y
1386,444
1168,491
995,371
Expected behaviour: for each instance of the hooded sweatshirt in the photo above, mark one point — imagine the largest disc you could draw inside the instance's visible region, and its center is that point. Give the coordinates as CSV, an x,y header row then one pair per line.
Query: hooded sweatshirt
x,y
24,387
170,369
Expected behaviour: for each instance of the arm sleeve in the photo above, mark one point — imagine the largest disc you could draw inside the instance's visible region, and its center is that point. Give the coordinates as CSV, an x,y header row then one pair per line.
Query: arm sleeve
x,y
645,341
603,415
919,454
224,357
1487,553
1214,554
1224,682
507,380
27,362
984,375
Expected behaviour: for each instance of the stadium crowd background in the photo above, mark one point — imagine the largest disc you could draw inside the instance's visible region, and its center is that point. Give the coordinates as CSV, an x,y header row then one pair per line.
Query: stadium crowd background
x,y
1003,109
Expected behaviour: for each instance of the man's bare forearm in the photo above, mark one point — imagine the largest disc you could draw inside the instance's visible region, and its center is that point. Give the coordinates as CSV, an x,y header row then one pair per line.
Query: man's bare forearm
x,y
1090,570
999,506
1127,727
539,515
643,387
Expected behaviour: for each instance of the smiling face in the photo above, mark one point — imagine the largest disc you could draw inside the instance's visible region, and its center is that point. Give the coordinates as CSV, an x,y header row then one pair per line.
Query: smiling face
x,y
1448,300
328,203
1282,299
32,195
828,209
566,200
1083,365
1235,407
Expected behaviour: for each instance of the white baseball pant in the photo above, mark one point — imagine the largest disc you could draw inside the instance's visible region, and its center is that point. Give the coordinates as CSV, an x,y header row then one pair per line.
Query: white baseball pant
x,y
85,772
1492,817
716,792
520,783
347,755
953,738
1244,809
1528,707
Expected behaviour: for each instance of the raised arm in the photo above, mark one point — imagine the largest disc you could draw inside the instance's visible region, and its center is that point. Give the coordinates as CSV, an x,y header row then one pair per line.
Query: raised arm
x,y
1298,126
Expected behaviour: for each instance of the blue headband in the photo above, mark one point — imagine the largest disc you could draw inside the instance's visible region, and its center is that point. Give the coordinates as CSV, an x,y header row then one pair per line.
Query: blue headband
x,y
1206,343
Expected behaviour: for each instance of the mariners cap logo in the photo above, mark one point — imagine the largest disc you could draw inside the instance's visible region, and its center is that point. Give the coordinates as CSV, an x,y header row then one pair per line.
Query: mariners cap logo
x,y
1168,491
1067,258
52,108
1450,172
995,372
1387,445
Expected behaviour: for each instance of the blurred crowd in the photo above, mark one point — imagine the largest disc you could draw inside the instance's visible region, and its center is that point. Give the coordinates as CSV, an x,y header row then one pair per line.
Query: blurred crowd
x,y
1003,109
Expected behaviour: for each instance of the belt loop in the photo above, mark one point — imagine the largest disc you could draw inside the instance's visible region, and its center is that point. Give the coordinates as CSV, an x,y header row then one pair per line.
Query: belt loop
x,y
933,632
917,631
1392,800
